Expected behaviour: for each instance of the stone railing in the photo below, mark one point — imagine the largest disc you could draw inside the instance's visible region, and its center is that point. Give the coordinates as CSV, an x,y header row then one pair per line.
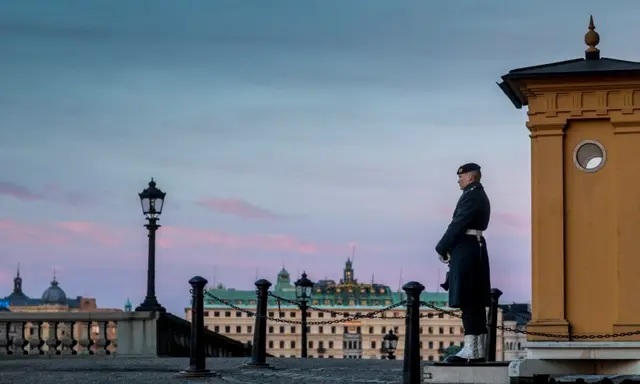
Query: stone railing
x,y
105,333
174,339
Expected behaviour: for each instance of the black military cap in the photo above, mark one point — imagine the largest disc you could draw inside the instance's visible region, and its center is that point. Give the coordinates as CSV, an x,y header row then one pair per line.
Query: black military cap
x,y
468,168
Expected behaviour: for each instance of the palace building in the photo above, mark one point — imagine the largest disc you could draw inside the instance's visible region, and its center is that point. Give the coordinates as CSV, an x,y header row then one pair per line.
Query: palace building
x,y
337,335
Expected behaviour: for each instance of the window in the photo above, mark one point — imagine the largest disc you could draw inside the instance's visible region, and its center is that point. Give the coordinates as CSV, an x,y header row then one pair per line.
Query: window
x,y
271,344
589,156
238,329
373,344
293,344
227,329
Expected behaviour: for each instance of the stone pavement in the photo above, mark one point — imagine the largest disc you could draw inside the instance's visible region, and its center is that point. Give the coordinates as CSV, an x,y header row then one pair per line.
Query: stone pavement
x,y
103,370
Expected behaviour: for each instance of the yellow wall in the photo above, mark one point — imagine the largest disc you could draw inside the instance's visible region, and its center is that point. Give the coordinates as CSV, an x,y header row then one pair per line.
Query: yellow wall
x,y
585,226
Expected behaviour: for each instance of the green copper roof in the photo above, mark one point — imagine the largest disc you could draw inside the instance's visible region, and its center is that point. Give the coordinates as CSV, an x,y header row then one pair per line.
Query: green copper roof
x,y
347,293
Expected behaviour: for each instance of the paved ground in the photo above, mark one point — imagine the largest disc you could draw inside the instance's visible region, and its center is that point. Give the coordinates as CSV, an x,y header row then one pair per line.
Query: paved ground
x,y
99,370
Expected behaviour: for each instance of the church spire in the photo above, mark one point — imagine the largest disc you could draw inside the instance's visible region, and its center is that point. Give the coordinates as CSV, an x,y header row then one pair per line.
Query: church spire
x,y
17,282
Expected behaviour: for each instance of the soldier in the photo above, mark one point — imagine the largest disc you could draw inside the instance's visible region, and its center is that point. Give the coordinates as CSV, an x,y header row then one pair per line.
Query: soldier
x,y
464,248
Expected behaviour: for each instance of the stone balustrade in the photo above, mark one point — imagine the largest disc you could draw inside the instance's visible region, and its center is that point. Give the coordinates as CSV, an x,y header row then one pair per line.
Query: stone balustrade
x,y
106,333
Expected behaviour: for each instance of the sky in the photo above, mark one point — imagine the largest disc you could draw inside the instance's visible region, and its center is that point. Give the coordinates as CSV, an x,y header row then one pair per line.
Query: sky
x,y
283,132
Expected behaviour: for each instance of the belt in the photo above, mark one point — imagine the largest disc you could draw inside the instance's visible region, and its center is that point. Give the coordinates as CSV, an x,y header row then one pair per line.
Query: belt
x,y
474,232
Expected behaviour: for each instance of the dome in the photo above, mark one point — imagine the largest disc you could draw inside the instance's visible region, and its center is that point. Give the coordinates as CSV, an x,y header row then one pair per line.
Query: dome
x,y
284,274
54,294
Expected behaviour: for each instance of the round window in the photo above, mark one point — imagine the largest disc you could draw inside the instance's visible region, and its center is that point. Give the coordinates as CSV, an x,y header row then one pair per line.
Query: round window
x,y
589,156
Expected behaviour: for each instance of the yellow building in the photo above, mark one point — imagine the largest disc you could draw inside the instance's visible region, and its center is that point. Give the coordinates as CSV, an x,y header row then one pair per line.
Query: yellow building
x,y
336,328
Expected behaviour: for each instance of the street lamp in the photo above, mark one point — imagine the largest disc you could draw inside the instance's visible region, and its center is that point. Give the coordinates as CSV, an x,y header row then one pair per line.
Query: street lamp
x,y
152,200
303,294
389,344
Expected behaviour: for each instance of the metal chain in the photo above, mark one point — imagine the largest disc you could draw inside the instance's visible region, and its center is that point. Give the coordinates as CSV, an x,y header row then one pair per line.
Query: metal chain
x,y
374,314
543,334
322,322
335,313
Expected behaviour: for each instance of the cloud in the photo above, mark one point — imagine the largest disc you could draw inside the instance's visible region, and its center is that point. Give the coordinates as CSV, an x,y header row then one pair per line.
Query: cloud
x,y
14,232
69,233
94,232
516,222
49,192
178,237
236,207
508,222
17,191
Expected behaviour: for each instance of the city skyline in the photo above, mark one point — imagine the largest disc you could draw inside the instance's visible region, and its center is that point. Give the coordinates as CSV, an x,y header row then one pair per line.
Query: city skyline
x,y
282,135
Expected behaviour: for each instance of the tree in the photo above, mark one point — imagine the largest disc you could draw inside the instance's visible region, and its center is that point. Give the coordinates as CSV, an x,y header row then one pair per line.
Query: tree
x,y
451,350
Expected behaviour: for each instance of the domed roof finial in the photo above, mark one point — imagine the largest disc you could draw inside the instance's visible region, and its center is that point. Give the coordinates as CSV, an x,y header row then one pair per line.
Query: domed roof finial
x,y
592,38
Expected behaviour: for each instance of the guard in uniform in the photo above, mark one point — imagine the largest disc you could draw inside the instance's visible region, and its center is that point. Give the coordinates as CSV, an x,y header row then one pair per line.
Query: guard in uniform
x,y
464,249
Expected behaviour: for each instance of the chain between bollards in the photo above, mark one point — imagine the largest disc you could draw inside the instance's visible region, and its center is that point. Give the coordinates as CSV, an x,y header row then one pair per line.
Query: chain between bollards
x,y
197,358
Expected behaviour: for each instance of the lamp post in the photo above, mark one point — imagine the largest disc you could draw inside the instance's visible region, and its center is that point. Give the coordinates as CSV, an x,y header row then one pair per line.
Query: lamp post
x,y
152,200
389,344
303,294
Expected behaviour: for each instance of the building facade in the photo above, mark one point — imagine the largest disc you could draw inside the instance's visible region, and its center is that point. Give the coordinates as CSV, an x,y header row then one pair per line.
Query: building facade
x,y
337,322
515,316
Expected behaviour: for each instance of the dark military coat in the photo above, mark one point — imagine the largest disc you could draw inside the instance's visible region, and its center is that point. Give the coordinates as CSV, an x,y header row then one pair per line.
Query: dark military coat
x,y
469,274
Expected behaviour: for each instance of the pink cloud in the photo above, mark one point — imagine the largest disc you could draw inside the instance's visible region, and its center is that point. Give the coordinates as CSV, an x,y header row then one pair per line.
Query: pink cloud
x,y
236,207
172,237
14,232
513,222
517,222
17,191
71,233
95,232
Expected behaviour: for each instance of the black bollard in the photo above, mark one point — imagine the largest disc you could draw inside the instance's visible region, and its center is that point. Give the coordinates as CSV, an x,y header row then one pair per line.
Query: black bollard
x,y
492,325
259,350
411,373
197,358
